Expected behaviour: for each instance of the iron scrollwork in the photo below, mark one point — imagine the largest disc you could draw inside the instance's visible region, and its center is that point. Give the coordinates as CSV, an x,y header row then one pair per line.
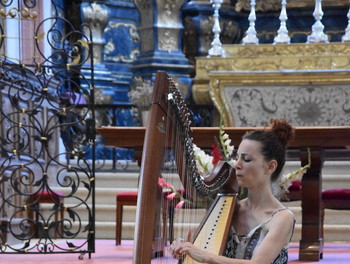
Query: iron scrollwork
x,y
47,185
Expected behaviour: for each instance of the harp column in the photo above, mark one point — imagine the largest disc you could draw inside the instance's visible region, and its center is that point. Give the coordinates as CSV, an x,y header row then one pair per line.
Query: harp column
x,y
161,42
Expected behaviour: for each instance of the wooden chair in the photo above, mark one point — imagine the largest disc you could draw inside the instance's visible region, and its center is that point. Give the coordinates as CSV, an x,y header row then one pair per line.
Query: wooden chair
x,y
123,199
130,199
334,199
170,210
294,192
51,197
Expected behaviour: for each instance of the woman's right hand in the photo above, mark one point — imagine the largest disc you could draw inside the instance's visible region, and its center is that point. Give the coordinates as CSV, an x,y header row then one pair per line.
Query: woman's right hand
x,y
179,248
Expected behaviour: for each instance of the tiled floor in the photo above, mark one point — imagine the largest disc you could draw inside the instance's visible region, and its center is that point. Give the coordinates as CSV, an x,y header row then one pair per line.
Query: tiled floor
x,y
107,252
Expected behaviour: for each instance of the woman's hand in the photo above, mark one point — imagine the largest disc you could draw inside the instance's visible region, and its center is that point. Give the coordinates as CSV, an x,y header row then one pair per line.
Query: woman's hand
x,y
179,249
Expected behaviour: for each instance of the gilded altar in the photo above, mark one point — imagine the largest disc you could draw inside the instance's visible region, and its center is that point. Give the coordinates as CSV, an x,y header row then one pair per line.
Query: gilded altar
x,y
306,83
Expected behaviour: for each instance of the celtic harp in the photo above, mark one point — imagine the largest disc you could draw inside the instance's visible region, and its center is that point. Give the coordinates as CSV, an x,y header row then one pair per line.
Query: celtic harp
x,y
168,127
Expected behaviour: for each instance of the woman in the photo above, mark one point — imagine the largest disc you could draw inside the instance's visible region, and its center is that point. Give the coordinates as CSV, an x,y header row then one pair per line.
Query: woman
x,y
262,227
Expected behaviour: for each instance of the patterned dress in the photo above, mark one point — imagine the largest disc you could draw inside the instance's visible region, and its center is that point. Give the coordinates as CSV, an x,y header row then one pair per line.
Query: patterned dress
x,y
243,246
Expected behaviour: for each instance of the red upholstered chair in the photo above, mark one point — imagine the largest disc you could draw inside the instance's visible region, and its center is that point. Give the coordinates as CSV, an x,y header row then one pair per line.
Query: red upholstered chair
x,y
294,192
130,199
40,197
169,211
334,199
123,199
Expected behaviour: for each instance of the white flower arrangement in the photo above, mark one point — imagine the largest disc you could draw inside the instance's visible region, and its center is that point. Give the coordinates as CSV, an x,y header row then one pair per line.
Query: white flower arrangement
x,y
203,160
281,188
141,93
225,143
222,150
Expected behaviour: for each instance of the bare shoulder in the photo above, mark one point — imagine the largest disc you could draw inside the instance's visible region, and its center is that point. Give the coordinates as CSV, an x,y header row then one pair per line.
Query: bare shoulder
x,y
282,225
283,216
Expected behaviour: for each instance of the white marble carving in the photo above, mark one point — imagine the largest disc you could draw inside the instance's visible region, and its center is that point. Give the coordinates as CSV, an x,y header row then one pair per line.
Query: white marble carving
x,y
96,16
346,37
282,33
251,37
316,105
216,46
317,35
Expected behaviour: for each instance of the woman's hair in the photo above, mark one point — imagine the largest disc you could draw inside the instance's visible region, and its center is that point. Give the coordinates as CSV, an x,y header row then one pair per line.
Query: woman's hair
x,y
273,142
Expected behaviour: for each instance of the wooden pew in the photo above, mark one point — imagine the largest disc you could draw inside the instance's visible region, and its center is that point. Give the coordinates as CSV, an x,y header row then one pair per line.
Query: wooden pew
x,y
318,139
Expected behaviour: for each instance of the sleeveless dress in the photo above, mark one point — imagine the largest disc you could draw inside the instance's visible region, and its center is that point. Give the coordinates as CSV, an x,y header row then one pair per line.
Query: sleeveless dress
x,y
243,246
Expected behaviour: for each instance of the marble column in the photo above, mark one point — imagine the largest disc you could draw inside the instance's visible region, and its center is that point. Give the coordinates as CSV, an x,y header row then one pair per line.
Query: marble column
x,y
116,45
114,25
96,17
122,45
161,42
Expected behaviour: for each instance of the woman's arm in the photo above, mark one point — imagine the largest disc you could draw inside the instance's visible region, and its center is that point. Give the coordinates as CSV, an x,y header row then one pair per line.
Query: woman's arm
x,y
280,231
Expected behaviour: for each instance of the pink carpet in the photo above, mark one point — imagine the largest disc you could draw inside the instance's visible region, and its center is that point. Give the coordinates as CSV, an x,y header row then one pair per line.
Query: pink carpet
x,y
107,252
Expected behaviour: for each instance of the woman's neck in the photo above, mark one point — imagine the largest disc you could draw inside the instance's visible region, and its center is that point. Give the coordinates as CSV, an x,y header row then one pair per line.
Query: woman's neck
x,y
261,198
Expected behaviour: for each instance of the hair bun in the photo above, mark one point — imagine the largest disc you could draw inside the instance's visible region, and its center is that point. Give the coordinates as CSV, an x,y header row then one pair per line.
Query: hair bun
x,y
282,129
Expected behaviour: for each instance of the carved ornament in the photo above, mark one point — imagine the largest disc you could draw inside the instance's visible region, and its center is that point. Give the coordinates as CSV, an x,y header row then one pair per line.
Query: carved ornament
x,y
109,48
305,98
169,24
267,57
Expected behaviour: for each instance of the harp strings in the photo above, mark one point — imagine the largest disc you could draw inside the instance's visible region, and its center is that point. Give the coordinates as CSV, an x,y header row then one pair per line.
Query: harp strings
x,y
176,172
185,216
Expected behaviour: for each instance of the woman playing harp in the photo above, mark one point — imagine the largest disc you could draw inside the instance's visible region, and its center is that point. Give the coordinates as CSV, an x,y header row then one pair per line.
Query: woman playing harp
x,y
169,128
262,227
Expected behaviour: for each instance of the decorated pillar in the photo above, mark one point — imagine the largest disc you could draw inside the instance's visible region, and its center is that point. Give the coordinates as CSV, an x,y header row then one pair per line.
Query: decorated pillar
x,y
96,16
114,25
161,42
116,45
122,45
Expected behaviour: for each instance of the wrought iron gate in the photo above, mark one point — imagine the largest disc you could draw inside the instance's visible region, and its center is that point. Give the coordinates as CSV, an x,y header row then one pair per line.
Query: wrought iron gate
x,y
47,129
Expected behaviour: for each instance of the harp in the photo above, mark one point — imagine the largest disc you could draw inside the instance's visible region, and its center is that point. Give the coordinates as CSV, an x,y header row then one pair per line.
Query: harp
x,y
169,127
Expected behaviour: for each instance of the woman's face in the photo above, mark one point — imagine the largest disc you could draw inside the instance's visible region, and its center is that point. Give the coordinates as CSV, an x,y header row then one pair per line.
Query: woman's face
x,y
251,167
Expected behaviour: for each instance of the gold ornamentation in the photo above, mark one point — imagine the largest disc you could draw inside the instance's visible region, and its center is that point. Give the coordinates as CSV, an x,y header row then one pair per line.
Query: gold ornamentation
x,y
21,14
109,48
268,57
308,98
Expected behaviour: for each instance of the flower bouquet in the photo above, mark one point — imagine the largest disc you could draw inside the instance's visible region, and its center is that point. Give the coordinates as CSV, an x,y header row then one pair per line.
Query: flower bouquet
x,y
141,94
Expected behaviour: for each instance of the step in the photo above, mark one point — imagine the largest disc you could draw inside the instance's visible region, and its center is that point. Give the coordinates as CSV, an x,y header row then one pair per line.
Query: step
x,y
335,174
